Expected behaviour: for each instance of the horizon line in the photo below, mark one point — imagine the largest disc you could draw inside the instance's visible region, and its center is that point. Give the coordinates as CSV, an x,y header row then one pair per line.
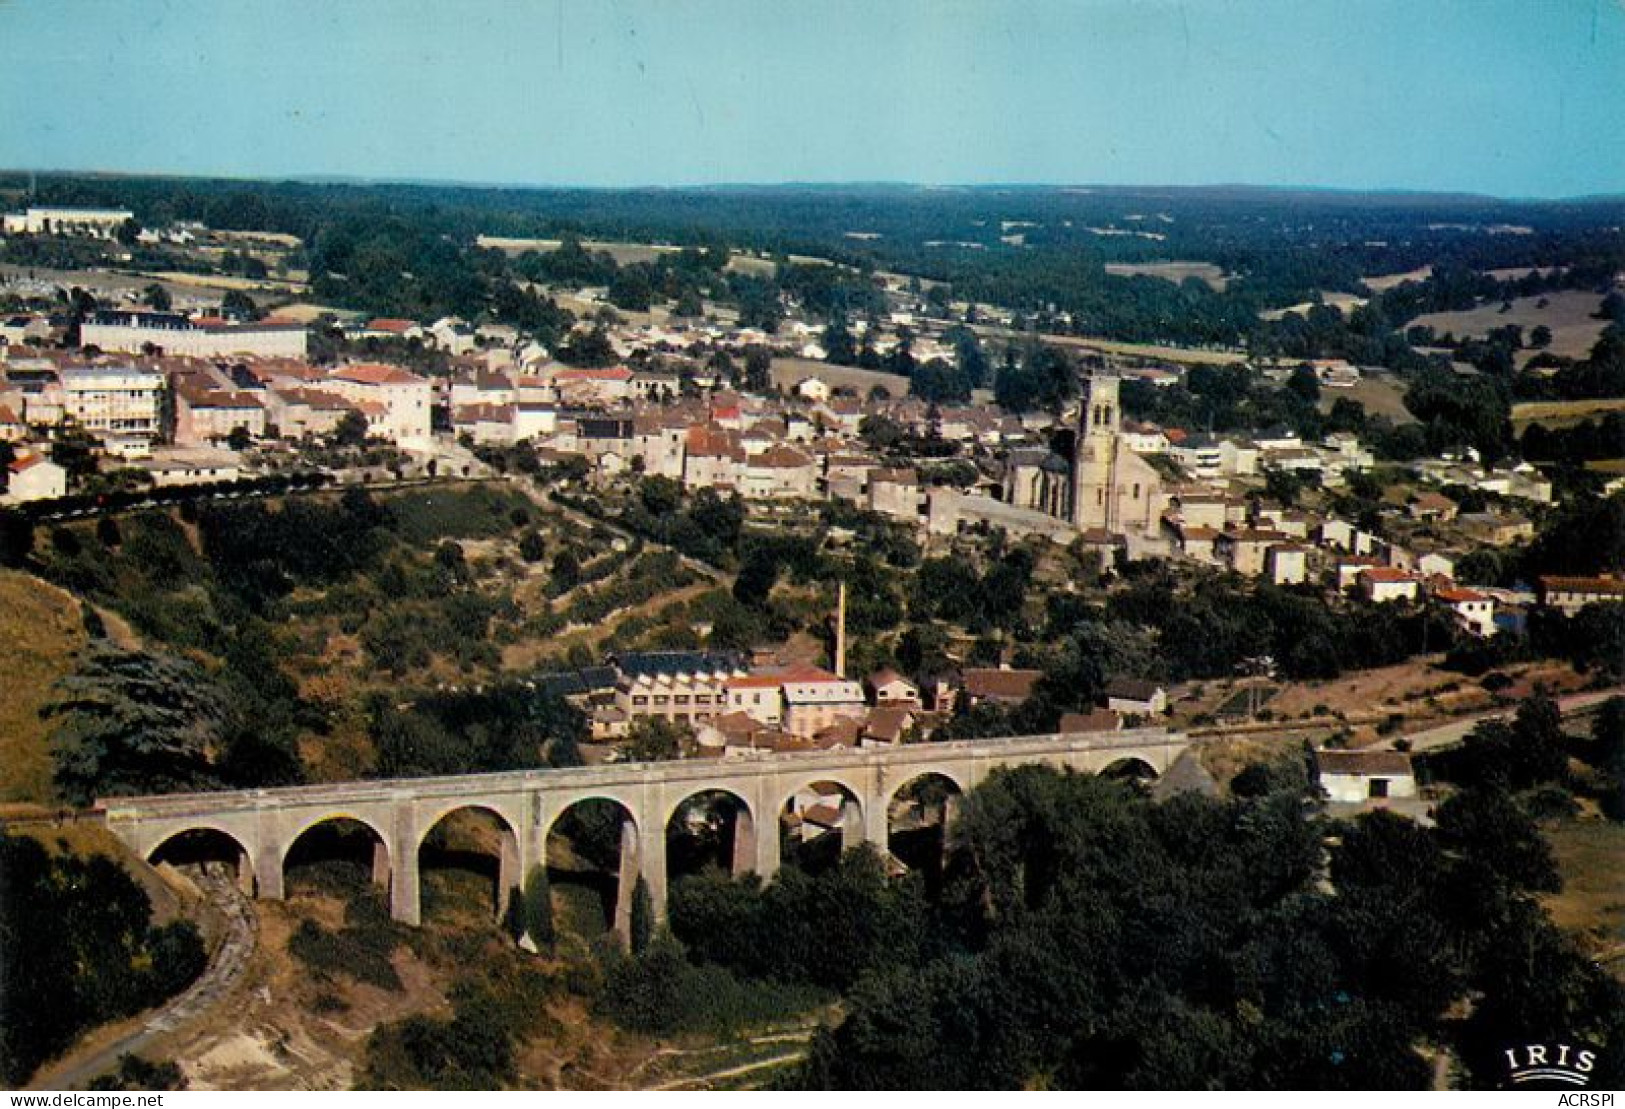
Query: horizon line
x,y
1391,192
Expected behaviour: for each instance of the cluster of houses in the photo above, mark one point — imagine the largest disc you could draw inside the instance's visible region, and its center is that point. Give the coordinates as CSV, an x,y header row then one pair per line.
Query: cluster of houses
x,y
176,417
175,393
1290,547
765,448
738,706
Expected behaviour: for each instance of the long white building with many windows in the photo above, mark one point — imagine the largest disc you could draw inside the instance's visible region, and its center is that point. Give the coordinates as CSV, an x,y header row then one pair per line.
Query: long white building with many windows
x,y
173,334
120,405
98,223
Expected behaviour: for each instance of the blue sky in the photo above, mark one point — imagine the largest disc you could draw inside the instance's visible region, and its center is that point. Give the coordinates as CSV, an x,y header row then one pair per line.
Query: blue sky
x,y
1517,98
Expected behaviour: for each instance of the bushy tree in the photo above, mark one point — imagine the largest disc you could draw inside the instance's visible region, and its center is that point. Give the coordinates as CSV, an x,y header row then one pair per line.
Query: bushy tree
x,y
538,908
16,537
134,722
1529,751
643,916
1608,755
656,739
77,948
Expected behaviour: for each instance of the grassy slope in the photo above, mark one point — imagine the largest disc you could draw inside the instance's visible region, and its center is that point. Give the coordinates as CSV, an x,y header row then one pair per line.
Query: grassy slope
x,y
1568,313
40,630
1593,899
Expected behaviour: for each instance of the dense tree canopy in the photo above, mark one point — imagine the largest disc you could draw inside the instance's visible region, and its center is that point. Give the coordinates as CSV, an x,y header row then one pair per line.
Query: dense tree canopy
x,y
77,947
1091,939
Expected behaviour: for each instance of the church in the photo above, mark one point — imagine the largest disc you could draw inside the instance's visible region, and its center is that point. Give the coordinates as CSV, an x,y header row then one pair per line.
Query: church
x,y
1105,487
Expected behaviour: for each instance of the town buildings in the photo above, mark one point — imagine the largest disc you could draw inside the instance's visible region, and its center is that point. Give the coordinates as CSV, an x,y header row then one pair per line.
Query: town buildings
x,y
134,332
34,477
118,404
95,223
1569,594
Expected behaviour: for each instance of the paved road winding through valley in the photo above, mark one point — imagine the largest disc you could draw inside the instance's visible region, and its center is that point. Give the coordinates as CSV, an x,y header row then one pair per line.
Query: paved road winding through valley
x,y
226,968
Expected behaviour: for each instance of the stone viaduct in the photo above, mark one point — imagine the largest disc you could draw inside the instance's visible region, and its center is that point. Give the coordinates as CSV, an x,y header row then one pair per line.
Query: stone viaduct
x,y
265,823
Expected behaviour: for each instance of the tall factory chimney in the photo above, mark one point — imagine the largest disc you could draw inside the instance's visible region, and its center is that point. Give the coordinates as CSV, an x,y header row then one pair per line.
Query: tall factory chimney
x,y
840,630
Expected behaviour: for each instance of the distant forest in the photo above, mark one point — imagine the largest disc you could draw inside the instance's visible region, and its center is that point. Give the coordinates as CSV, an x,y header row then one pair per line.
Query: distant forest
x,y
1041,252
1283,246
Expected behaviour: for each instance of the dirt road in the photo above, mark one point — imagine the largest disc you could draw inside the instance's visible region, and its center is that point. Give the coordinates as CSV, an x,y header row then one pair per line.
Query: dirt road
x,y
1447,735
214,985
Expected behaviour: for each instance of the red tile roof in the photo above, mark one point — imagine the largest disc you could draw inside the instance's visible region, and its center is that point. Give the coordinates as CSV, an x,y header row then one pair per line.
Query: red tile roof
x,y
1363,762
318,399
224,398
1099,720
1001,685
376,373
894,477
754,681
888,724
714,442
781,458
1605,585
1387,574
608,373
483,413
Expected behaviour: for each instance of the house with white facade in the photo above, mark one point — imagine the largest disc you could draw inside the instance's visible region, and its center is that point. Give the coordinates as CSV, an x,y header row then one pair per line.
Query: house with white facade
x,y
400,398
1382,584
34,477
1363,777
1473,610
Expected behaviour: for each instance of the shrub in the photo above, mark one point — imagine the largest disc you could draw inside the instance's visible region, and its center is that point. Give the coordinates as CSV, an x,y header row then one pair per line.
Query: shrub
x,y
360,950
475,1049
661,993
538,907
136,1073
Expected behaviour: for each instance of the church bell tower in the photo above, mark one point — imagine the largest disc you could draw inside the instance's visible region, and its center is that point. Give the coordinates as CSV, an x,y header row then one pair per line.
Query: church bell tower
x,y
1094,466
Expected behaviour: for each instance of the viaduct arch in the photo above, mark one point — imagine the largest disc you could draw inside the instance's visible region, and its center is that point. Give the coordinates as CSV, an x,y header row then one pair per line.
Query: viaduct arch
x,y
265,823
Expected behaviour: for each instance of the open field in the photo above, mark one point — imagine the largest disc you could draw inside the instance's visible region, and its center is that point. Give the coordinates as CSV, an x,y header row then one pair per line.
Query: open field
x,y
1175,272
1513,273
221,281
1418,691
788,371
306,312
40,630
1382,395
1341,301
1592,903
1382,282
1567,313
188,290
1563,413
1151,352
626,254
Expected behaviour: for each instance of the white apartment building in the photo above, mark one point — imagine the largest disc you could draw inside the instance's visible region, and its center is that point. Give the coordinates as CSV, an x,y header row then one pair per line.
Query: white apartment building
x,y
814,701
120,405
172,334
98,223
403,400
689,687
